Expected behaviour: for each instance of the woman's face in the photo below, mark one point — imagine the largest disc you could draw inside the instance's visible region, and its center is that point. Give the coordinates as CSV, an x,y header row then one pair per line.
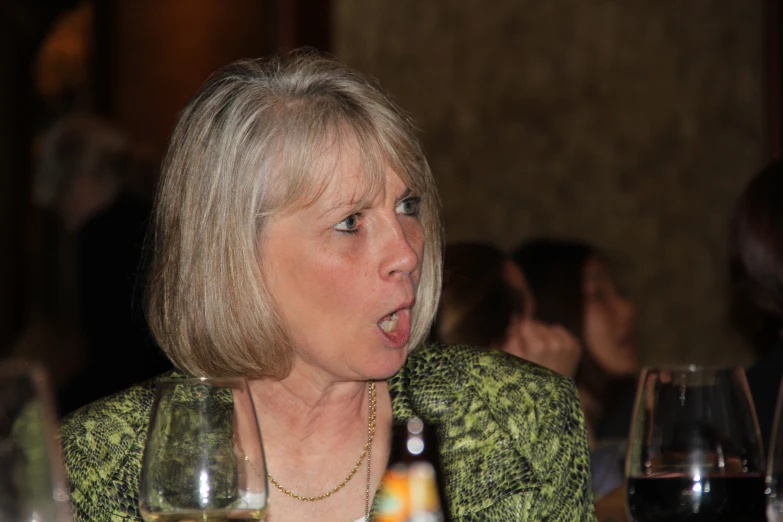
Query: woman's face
x,y
609,322
344,279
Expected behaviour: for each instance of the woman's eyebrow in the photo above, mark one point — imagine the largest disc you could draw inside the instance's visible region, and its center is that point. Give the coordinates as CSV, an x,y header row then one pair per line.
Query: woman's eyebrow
x,y
348,205
406,193
353,203
342,203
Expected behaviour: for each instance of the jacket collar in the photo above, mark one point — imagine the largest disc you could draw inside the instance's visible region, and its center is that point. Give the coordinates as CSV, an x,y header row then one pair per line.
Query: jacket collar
x,y
448,388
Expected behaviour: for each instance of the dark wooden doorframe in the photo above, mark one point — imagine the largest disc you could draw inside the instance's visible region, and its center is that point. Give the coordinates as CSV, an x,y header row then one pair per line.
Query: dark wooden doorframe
x,y
290,24
773,65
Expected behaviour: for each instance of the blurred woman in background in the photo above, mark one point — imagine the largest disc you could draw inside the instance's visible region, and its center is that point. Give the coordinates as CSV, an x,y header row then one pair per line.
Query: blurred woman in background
x,y
756,269
573,286
486,302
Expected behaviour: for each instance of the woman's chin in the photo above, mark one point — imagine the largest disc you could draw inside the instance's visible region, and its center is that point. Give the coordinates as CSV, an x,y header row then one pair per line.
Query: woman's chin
x,y
388,364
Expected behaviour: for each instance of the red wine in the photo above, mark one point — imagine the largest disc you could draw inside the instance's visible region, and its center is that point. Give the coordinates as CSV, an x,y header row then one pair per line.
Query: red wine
x,y
737,497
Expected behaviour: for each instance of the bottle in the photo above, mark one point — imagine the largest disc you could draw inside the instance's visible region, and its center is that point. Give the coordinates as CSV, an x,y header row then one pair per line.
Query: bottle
x,y
412,487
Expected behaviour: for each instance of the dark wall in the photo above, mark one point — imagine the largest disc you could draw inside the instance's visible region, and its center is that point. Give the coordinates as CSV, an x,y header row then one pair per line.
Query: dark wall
x,y
134,62
158,52
142,60
23,26
629,124
12,164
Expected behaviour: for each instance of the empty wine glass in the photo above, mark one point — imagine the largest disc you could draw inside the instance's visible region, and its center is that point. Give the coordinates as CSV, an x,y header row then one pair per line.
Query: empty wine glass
x,y
203,459
32,482
695,451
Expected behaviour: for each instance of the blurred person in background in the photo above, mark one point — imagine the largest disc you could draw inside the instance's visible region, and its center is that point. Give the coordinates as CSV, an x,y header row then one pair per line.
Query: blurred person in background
x,y
573,285
84,168
486,302
756,271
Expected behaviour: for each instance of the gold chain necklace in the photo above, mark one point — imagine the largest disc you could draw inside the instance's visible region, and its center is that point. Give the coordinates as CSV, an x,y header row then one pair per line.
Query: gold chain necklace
x,y
366,452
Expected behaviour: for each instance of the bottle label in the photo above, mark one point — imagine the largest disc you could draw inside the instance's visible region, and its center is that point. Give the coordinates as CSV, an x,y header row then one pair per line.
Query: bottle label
x,y
409,494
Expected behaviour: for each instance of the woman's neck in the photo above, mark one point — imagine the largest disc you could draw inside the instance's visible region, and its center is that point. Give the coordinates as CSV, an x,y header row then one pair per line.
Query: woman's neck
x,y
303,408
313,436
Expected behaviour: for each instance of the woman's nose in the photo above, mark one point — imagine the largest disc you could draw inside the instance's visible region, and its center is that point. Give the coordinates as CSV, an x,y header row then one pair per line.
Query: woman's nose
x,y
400,253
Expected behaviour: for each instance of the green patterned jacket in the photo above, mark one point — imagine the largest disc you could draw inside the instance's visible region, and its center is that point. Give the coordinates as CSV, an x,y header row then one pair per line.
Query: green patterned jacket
x,y
513,448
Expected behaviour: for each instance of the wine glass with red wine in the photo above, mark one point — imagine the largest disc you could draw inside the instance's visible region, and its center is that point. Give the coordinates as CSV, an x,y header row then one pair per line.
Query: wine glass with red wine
x,y
695,451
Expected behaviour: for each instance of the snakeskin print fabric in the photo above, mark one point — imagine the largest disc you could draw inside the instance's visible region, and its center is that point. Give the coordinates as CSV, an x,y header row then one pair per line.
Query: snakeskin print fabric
x,y
512,435
512,439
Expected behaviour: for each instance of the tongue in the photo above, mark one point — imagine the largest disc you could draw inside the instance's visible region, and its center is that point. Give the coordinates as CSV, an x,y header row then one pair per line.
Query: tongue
x,y
399,336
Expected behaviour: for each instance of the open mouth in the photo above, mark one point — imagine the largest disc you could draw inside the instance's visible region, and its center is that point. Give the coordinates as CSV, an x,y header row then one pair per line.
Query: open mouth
x,y
389,323
396,328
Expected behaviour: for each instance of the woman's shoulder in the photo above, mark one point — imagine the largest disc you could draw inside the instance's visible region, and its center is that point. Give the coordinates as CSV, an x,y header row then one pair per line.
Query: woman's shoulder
x,y
114,416
504,421
121,413
102,445
513,388
484,368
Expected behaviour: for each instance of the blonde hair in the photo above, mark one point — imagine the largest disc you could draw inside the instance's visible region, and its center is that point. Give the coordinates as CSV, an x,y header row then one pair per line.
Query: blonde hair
x,y
245,148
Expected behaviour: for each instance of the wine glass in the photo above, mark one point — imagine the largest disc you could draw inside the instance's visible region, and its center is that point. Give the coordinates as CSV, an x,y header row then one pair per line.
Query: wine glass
x,y
775,466
694,451
32,482
203,458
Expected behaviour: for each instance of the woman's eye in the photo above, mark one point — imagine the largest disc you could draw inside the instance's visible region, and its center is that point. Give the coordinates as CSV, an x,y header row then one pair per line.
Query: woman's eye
x,y
349,224
409,207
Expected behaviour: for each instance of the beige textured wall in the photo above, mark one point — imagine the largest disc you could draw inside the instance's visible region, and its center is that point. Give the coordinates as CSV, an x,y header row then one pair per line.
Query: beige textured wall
x,y
629,124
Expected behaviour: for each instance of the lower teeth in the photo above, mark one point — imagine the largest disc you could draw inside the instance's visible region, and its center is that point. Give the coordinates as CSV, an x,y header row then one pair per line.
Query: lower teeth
x,y
391,324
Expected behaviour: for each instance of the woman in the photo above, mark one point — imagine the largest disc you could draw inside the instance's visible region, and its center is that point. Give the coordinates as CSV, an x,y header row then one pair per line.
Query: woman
x,y
756,267
486,301
573,286
297,244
